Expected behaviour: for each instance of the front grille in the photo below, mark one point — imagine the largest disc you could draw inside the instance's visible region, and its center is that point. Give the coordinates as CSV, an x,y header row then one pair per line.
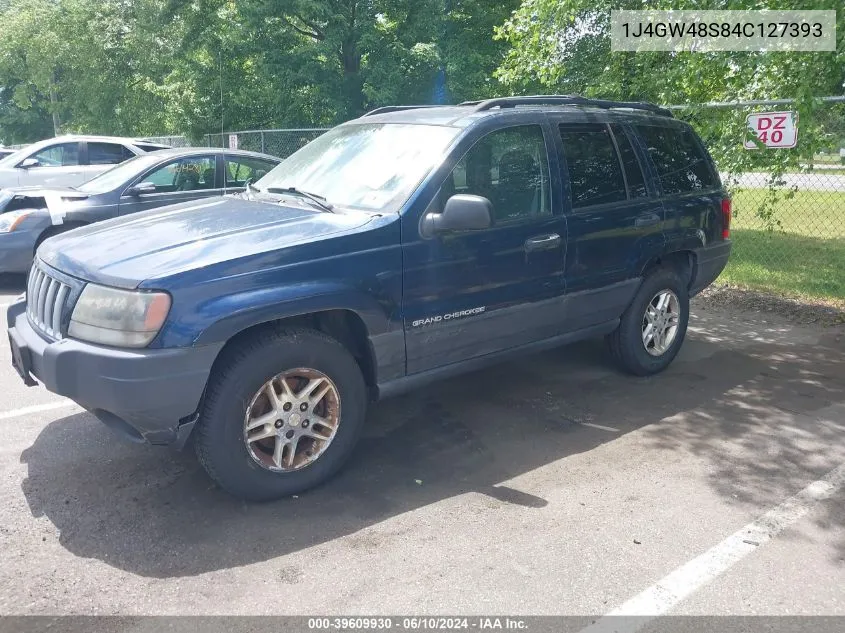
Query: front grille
x,y
46,298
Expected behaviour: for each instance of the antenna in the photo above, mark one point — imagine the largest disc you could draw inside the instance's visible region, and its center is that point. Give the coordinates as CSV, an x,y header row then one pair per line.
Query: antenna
x,y
222,129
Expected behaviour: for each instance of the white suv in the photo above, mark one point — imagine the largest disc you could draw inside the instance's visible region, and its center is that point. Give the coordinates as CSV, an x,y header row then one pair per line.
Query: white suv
x,y
67,161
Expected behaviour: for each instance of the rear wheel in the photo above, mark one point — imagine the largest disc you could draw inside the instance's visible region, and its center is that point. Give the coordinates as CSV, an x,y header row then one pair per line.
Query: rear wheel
x,y
653,327
282,413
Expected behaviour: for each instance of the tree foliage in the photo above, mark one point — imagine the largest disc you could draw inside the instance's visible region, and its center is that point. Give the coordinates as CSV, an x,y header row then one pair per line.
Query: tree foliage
x,y
158,66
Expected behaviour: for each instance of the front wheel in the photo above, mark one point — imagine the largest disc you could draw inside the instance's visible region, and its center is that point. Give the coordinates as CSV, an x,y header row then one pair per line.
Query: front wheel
x,y
282,413
653,328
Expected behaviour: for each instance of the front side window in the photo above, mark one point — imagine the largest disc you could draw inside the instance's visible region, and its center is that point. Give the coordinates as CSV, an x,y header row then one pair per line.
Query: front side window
x,y
107,153
509,167
240,169
678,158
370,166
63,155
185,174
595,175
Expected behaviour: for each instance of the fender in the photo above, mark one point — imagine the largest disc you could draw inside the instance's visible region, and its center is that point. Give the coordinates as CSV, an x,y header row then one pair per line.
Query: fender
x,y
246,309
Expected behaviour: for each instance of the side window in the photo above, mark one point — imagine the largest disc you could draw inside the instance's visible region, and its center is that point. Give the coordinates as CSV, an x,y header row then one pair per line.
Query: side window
x,y
679,160
595,176
509,167
185,174
633,171
107,153
62,155
148,148
240,169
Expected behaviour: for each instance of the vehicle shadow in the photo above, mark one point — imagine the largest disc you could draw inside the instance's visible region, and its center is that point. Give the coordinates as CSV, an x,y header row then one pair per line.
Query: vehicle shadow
x,y
154,512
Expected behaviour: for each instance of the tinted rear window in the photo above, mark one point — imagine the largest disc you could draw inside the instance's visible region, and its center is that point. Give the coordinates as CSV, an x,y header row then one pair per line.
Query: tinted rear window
x,y
678,158
595,176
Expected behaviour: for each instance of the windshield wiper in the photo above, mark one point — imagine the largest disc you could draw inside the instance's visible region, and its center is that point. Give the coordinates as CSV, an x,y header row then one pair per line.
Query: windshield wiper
x,y
317,199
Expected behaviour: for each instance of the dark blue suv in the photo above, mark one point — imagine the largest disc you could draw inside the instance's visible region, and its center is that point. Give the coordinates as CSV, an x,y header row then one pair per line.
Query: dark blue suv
x,y
408,245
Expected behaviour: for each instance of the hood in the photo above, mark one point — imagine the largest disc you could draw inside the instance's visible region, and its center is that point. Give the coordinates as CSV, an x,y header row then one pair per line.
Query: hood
x,y
151,245
38,197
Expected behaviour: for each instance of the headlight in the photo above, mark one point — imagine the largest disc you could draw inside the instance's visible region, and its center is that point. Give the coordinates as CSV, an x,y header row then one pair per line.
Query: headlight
x,y
10,221
122,318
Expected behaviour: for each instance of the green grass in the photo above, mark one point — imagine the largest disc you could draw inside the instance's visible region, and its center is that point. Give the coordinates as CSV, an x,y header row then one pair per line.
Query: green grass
x,y
803,256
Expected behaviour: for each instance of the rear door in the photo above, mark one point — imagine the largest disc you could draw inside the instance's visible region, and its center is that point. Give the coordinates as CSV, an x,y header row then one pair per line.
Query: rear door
x,y
471,293
102,155
614,220
689,184
178,180
239,169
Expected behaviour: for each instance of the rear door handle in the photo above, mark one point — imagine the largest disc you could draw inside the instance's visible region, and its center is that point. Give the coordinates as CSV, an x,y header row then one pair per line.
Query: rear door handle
x,y
648,219
542,242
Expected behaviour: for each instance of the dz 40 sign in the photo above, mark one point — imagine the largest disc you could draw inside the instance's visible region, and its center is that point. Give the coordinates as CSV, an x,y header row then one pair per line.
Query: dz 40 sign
x,y
772,129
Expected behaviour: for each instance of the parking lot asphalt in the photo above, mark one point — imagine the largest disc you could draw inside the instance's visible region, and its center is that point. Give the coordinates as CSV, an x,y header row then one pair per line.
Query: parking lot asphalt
x,y
550,484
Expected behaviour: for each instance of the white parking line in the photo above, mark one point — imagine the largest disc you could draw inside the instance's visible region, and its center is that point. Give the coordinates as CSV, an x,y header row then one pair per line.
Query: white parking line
x,y
37,408
599,427
686,579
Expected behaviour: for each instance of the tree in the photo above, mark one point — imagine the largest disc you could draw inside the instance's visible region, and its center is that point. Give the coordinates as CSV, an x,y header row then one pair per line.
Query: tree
x,y
563,46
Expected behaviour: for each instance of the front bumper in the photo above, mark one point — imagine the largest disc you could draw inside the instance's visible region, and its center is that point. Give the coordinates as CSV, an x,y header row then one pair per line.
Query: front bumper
x,y
16,250
149,394
710,261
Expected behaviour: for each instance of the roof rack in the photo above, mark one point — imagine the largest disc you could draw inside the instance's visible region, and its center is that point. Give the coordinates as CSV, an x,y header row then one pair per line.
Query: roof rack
x,y
511,102
397,108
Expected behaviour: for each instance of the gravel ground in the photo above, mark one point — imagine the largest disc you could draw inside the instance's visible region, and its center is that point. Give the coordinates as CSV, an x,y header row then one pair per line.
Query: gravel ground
x,y
795,310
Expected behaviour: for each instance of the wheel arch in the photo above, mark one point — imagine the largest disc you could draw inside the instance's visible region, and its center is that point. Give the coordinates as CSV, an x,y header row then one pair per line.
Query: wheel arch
x,y
342,324
683,261
56,229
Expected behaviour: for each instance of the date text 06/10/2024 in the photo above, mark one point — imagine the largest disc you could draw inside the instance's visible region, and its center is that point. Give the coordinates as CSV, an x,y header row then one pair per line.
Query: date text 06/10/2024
x,y
421,623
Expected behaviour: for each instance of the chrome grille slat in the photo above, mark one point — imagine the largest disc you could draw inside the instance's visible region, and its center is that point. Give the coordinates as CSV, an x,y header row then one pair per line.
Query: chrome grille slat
x,y
49,306
46,298
42,296
58,307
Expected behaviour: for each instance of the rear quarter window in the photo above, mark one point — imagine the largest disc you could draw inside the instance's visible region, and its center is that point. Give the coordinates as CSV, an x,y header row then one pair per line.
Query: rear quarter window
x,y
679,159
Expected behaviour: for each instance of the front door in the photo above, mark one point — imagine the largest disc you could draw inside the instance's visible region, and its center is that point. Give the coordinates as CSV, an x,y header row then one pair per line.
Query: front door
x,y
471,293
179,180
58,166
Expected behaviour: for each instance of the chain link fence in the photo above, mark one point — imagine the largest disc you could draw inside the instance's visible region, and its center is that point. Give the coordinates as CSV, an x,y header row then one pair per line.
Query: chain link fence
x,y
281,143
172,141
789,204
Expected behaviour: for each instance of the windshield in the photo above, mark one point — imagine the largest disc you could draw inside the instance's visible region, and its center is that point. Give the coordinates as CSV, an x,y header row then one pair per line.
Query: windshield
x,y
119,174
374,167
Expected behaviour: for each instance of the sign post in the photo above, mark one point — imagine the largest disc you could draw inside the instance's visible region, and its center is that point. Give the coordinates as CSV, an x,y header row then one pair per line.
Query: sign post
x,y
233,141
772,129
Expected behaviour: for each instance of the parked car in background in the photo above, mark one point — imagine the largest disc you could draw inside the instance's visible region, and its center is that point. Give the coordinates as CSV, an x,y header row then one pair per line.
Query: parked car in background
x,y
405,246
68,160
6,151
29,216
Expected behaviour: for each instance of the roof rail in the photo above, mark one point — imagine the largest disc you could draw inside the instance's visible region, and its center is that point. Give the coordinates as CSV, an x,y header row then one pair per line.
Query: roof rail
x,y
397,108
577,100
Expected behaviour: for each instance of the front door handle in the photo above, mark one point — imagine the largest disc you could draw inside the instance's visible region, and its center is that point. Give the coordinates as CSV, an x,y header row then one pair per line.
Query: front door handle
x,y
542,242
647,219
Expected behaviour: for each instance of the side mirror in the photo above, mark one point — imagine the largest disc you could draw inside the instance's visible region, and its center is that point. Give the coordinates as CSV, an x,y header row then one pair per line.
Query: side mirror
x,y
462,212
140,189
26,163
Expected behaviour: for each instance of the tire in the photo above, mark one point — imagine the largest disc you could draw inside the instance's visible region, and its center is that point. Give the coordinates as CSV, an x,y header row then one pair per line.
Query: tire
x,y
238,387
627,344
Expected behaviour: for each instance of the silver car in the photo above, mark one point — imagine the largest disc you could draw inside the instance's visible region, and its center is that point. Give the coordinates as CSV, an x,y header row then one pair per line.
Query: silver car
x,y
66,161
